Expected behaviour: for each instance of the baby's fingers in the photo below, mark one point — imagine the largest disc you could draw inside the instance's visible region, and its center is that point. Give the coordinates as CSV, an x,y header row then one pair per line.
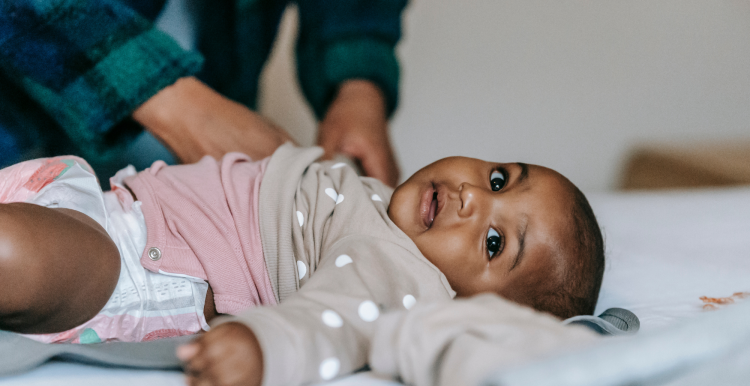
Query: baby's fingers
x,y
186,352
228,355
213,373
196,360
198,381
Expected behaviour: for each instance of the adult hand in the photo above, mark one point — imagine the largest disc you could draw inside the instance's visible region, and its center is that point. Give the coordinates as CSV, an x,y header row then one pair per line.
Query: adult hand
x,y
356,125
228,355
193,120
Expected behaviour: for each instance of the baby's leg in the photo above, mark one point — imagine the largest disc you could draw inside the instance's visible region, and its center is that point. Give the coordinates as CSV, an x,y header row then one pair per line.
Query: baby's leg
x,y
58,268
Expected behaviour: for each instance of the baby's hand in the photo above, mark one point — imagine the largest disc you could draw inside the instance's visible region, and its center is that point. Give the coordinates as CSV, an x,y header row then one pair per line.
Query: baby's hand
x,y
229,354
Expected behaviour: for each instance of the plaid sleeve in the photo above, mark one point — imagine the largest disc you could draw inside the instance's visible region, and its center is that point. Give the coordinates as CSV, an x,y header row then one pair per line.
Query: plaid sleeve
x,y
88,63
348,39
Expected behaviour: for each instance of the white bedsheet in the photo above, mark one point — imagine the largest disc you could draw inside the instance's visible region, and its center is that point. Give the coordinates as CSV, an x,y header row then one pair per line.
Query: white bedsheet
x,y
73,374
664,251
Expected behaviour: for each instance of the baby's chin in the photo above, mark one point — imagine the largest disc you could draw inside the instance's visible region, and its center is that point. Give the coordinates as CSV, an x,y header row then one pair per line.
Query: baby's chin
x,y
396,222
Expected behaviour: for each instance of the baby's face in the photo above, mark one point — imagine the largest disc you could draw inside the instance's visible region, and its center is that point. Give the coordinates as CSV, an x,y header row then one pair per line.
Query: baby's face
x,y
488,227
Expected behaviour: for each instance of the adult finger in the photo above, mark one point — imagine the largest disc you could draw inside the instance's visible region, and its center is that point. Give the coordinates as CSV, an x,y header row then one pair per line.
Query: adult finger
x,y
377,162
330,140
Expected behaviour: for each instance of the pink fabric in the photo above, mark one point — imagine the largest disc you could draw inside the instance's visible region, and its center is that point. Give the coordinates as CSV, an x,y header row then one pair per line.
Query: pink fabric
x,y
116,322
204,219
124,328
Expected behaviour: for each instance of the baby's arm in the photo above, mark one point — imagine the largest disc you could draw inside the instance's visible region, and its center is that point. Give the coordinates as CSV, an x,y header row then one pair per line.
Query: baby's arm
x,y
322,331
462,342
58,268
227,355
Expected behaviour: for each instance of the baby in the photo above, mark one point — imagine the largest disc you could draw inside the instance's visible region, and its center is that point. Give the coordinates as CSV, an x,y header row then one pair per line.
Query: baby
x,y
334,250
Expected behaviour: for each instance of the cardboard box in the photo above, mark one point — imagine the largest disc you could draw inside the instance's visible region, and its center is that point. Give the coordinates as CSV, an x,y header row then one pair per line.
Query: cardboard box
x,y
669,166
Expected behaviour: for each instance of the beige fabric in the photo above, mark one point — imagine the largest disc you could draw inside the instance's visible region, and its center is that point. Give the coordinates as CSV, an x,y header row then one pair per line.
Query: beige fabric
x,y
461,342
354,264
277,191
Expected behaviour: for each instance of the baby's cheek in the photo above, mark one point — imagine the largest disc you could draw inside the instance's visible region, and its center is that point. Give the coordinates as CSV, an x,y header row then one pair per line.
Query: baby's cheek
x,y
447,250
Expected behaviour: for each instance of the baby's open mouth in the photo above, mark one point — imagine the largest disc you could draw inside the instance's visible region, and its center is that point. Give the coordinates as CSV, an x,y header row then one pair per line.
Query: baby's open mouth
x,y
429,205
429,208
433,210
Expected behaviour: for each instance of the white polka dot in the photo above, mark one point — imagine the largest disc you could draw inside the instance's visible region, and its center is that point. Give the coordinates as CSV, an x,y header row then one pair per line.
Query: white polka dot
x,y
334,196
368,311
338,165
300,218
375,197
409,301
343,260
301,269
329,368
332,319
332,193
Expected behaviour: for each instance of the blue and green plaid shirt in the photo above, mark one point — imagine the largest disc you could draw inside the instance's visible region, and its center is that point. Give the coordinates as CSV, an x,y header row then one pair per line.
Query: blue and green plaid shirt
x,y
72,71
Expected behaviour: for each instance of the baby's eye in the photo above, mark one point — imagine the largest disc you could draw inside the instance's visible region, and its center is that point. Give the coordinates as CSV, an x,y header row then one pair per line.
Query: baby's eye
x,y
494,242
497,180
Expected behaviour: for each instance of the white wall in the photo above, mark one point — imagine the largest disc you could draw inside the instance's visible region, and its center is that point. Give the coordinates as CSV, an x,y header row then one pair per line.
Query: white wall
x,y
568,84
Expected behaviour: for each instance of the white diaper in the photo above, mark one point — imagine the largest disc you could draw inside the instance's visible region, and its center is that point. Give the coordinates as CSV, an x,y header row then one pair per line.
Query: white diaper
x,y
144,305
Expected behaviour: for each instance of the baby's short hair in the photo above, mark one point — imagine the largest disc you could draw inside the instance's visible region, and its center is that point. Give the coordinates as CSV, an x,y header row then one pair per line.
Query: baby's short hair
x,y
579,288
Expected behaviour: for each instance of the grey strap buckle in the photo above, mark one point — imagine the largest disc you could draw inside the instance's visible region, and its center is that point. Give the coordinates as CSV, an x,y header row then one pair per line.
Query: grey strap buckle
x,y
613,321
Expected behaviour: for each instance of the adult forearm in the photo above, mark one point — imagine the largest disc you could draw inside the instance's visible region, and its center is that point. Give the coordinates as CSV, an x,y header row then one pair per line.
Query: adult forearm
x,y
85,76
193,120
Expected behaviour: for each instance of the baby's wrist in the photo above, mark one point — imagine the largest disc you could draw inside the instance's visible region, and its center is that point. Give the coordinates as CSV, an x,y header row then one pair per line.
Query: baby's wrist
x,y
246,336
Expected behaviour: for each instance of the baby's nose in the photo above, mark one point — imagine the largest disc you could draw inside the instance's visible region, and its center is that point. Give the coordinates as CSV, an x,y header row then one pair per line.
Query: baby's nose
x,y
468,196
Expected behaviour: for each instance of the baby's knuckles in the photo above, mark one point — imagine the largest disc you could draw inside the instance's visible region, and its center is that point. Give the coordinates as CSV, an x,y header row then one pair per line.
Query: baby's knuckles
x,y
232,356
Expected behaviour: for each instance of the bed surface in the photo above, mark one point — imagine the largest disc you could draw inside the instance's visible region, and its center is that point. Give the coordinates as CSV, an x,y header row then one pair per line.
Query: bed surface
x,y
73,374
665,251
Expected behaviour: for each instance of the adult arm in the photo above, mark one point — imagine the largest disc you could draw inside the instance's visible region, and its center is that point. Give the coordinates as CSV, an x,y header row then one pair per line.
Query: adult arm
x,y
193,120
90,64
349,73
